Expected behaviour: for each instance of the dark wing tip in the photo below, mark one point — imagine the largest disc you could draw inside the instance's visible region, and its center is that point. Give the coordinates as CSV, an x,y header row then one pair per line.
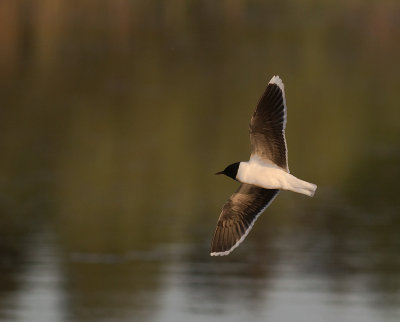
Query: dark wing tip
x,y
228,235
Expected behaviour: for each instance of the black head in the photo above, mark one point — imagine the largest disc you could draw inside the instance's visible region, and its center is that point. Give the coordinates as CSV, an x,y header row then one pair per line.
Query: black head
x,y
231,170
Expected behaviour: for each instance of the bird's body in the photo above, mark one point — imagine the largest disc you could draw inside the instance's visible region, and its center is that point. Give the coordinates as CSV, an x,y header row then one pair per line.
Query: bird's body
x,y
270,176
262,176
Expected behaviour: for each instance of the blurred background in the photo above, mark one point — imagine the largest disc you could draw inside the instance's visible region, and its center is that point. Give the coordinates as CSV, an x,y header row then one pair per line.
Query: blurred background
x,y
114,117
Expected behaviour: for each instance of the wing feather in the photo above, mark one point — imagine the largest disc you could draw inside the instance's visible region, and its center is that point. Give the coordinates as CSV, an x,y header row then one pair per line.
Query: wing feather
x,y
267,125
238,216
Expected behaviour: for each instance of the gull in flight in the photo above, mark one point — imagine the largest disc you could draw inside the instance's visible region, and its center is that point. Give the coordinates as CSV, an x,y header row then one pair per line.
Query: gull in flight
x,y
262,176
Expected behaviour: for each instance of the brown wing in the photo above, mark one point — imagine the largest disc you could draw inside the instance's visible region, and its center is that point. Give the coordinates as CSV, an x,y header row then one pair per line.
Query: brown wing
x,y
238,216
267,126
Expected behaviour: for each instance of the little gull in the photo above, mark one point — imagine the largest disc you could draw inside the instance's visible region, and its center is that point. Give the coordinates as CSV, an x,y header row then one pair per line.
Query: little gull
x,y
262,176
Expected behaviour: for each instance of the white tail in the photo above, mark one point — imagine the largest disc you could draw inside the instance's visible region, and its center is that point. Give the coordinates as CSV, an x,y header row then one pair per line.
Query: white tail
x,y
301,186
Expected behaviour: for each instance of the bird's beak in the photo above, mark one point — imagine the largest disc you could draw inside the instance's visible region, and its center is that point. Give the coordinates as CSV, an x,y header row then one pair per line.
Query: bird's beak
x,y
221,172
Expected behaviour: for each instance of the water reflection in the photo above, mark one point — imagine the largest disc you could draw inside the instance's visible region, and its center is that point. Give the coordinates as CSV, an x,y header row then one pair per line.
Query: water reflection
x,y
115,115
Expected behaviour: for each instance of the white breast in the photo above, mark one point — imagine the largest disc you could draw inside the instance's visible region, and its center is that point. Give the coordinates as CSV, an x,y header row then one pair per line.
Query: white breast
x,y
265,175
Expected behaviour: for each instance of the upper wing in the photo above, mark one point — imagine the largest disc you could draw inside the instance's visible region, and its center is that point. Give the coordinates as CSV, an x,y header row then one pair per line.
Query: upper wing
x,y
238,216
267,126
